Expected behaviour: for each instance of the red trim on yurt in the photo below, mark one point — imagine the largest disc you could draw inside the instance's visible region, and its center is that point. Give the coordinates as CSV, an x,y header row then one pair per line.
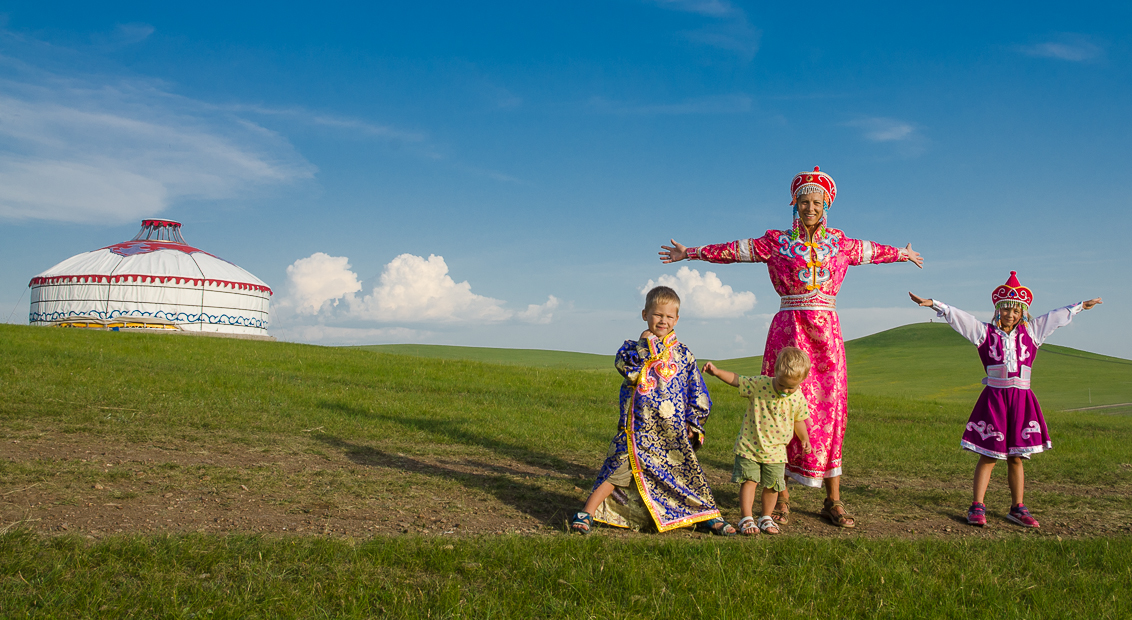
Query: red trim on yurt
x,y
147,279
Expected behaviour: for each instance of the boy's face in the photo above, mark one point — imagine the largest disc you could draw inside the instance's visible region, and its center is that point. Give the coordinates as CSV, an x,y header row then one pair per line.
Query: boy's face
x,y
662,317
786,385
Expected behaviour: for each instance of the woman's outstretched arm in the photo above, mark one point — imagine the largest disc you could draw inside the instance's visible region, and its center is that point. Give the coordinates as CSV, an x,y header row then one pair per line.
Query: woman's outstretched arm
x,y
741,251
674,253
913,256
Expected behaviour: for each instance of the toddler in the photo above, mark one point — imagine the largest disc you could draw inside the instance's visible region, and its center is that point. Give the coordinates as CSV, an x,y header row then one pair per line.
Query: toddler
x,y
777,412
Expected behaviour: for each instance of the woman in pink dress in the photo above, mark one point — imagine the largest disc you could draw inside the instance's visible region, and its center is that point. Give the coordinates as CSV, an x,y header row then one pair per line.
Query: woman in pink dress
x,y
807,265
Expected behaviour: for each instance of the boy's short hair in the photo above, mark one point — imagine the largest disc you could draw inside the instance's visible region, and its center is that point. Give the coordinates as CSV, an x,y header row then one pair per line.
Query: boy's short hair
x,y
792,362
660,295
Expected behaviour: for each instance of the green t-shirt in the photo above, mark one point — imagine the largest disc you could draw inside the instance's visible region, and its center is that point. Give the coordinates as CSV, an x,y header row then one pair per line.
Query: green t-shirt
x,y
769,422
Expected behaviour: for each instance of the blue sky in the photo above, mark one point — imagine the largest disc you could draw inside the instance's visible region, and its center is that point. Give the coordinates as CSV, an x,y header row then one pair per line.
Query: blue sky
x,y
503,174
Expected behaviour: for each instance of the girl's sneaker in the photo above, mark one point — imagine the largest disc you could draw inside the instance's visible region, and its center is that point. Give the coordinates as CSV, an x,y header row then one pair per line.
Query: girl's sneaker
x,y
977,514
1021,516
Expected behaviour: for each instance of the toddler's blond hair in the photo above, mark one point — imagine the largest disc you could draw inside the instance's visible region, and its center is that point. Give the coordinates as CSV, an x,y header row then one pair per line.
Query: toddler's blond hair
x,y
792,362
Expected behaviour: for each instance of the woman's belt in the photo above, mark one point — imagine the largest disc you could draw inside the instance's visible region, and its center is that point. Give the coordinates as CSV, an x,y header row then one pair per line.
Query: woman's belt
x,y
814,300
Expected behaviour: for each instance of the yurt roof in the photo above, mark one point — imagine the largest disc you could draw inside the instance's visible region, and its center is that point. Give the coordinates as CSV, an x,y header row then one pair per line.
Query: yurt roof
x,y
158,251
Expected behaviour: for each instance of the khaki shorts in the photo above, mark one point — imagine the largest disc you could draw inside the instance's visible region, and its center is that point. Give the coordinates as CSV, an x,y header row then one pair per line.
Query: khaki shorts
x,y
622,476
769,475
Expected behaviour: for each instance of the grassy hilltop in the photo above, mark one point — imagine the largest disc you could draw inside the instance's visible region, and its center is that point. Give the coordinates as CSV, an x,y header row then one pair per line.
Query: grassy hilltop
x,y
921,361
226,478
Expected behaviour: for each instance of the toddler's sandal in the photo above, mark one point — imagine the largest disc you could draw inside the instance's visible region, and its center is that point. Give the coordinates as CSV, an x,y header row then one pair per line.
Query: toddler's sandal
x,y
767,526
747,526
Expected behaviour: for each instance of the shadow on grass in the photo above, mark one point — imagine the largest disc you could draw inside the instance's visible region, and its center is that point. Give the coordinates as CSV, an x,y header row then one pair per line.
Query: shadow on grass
x,y
455,431
549,507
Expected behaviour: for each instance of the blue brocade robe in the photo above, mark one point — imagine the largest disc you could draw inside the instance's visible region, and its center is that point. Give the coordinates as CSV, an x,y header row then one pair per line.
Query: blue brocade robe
x,y
663,394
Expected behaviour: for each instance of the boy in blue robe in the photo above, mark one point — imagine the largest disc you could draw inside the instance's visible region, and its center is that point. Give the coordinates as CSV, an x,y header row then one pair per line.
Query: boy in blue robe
x,y
651,476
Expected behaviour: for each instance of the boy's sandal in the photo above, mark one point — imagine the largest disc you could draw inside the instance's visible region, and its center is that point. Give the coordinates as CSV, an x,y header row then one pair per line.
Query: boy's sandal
x,y
582,522
717,526
781,512
842,519
747,526
767,526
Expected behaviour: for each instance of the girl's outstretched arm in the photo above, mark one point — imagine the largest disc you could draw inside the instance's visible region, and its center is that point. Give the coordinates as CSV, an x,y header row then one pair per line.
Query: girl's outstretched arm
x,y
1042,327
967,325
920,301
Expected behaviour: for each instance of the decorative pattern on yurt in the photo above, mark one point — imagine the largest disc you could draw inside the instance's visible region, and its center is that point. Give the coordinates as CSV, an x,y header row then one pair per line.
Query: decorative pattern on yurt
x,y
155,281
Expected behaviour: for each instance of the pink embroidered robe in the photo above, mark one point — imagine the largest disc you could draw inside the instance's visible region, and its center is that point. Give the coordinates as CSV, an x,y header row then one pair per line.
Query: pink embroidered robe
x,y
808,277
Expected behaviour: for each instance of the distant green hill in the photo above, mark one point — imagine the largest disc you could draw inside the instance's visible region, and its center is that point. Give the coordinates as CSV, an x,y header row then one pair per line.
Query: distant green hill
x,y
516,357
931,361
920,361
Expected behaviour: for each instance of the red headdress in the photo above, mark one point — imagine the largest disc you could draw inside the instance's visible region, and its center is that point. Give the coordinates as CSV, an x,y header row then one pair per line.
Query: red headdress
x,y
1012,293
818,179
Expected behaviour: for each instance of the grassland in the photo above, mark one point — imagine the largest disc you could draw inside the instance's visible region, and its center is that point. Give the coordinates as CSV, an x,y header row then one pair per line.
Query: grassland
x,y
157,476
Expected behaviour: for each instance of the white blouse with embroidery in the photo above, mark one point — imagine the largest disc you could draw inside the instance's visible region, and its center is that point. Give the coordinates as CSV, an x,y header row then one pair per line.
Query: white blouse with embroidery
x,y
975,330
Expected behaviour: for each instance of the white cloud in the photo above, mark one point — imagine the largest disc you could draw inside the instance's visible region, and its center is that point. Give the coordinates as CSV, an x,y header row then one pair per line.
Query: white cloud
x,y
539,313
879,129
125,34
318,280
705,296
736,36
82,149
411,290
1071,47
415,289
349,125
731,30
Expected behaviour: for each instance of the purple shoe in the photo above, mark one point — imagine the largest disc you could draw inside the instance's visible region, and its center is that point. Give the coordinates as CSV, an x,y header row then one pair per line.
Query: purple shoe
x,y
977,514
1021,516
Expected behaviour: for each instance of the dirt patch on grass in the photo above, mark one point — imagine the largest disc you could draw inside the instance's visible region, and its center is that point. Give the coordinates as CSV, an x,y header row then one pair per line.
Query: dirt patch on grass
x,y
317,484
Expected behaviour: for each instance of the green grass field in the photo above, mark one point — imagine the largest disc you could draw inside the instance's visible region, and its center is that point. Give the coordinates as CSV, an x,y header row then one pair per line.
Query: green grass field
x,y
409,424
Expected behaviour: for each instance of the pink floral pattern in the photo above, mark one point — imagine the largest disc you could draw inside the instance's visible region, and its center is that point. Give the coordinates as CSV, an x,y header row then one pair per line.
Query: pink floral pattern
x,y
814,269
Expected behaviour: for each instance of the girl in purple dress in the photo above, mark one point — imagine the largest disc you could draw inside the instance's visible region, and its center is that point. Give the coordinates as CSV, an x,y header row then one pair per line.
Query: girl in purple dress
x,y
1007,422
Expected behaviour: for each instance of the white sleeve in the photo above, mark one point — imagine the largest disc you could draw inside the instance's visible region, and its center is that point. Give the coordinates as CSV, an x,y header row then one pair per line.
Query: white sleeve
x,y
968,326
1044,326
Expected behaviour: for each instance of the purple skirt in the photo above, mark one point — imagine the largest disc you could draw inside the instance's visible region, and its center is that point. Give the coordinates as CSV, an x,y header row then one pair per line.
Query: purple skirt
x,y
1006,422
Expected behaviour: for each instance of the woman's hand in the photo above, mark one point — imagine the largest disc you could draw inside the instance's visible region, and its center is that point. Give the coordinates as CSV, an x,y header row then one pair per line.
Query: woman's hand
x,y
673,253
710,369
927,303
1092,302
913,256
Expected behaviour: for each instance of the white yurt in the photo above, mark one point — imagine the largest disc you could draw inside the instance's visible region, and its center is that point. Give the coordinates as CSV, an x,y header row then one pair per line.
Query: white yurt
x,y
155,281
